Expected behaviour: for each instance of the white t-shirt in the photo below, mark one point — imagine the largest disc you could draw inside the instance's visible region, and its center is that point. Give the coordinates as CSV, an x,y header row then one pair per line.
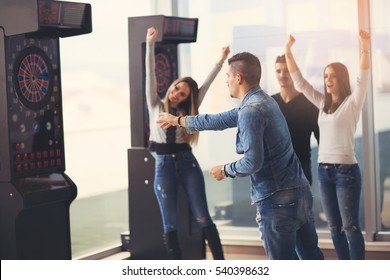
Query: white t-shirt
x,y
337,130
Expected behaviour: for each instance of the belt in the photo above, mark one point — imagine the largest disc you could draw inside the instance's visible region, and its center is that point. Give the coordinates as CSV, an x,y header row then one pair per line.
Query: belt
x,y
169,148
327,165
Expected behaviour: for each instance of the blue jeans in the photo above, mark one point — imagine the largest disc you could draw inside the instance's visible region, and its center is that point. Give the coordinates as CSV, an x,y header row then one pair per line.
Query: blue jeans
x,y
171,171
340,188
286,222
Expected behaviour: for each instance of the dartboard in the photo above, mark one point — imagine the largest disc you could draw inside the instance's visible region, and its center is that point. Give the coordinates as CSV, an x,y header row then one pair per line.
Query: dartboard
x,y
33,77
163,73
166,73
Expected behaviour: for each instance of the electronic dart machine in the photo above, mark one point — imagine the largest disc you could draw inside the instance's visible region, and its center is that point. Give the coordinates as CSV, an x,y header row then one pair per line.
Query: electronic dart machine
x,y
144,217
35,193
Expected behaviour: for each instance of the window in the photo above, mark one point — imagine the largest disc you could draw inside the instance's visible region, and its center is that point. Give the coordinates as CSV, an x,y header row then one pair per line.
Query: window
x,y
325,32
95,86
96,92
381,102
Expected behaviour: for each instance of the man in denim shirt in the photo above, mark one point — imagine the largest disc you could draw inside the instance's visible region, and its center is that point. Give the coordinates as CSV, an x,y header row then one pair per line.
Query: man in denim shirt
x,y
279,186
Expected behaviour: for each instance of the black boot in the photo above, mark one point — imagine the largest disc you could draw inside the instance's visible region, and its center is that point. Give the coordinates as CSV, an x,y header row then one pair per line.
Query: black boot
x,y
171,242
212,236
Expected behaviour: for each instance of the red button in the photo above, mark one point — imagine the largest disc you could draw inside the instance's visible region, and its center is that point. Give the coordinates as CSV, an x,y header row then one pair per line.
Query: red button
x,y
18,167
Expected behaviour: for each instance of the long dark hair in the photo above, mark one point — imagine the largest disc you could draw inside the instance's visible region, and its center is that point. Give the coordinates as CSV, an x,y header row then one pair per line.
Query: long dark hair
x,y
189,106
342,77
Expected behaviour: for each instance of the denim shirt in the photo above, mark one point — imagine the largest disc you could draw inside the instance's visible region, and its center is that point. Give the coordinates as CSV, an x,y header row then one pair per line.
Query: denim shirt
x,y
264,141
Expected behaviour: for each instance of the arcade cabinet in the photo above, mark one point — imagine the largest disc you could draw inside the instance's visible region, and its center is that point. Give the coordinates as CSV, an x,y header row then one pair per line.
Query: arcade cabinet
x,y
35,193
144,218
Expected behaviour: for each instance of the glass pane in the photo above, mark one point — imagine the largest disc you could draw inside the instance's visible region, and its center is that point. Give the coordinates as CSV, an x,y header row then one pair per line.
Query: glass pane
x,y
96,102
381,88
324,33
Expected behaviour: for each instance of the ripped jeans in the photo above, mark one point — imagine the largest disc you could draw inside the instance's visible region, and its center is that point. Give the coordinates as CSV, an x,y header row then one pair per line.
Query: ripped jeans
x,y
171,171
286,222
340,187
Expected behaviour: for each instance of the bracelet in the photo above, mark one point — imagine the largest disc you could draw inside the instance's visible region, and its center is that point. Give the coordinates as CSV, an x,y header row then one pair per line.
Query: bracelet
x,y
178,121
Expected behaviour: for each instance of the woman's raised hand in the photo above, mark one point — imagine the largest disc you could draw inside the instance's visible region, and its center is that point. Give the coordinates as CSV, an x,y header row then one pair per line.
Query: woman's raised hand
x,y
364,38
151,34
225,53
289,43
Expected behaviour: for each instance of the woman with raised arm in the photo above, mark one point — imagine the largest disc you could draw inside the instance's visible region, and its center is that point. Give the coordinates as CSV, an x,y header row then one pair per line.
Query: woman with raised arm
x,y
175,163
338,170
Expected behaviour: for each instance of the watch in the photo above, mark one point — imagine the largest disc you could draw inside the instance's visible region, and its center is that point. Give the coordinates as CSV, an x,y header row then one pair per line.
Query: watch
x,y
223,172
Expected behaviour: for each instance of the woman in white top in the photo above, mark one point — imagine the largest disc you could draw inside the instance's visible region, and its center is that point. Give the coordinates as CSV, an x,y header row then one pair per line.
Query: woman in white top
x,y
338,171
175,163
